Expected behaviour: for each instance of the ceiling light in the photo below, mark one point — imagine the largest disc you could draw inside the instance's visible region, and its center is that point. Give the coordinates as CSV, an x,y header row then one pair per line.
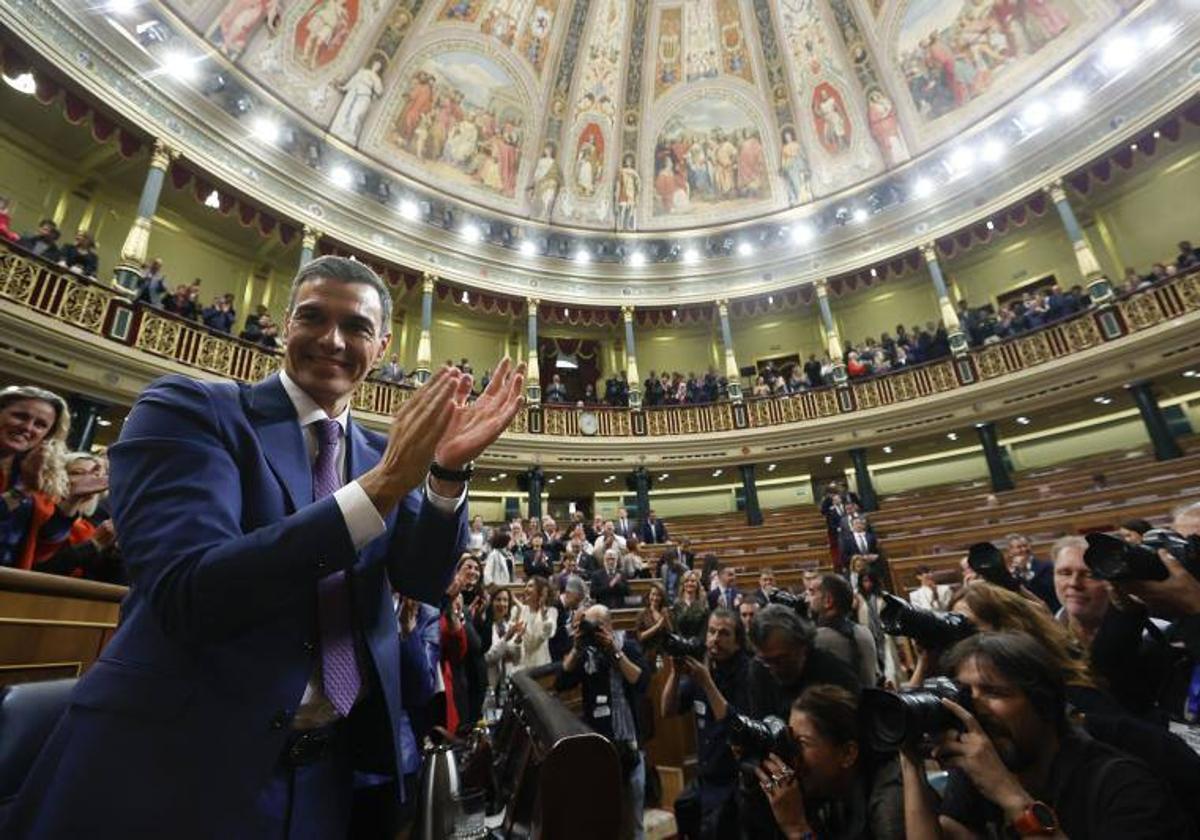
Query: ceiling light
x,y
745,249
770,300
1157,134
341,177
663,477
409,209
716,473
213,201
1133,147
566,312
528,249
771,467
1119,54
828,459
471,233
637,259
558,478
1071,100
991,225
802,233
179,66
1035,115
1023,421
1191,374
102,422
922,187
874,272
992,151
1160,35
887,450
23,83
961,160
493,478
266,130
690,255
582,255
860,215
612,478
501,475
121,7
466,296
952,435
1103,400
674,313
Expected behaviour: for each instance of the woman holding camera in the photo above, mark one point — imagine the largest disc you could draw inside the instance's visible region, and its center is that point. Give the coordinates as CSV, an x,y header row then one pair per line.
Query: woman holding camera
x,y
834,786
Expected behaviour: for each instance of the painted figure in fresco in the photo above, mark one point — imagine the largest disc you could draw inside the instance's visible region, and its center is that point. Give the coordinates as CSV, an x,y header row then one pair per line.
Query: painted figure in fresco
x,y
323,30
361,90
419,101
794,166
833,127
751,164
239,20
547,181
668,52
885,127
629,187
725,160
589,160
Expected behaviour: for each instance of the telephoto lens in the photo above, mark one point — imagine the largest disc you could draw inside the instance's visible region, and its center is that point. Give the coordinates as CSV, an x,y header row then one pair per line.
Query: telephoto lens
x,y
587,633
786,599
759,738
681,646
935,631
891,719
988,562
1111,558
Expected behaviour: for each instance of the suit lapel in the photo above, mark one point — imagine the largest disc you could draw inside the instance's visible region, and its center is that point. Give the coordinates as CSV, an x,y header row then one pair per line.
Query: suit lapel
x,y
274,419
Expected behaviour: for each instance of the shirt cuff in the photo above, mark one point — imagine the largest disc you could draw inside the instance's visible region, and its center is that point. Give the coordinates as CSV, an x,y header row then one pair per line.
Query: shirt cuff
x,y
448,505
362,517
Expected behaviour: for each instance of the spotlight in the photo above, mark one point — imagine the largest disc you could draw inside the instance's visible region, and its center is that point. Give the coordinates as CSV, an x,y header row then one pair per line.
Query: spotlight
x,y
583,256
1035,115
466,297
1023,421
952,435
674,313
923,188
828,459
527,248
716,473
770,300
1102,400
24,83
745,249
179,66
266,130
887,450
502,475
1071,100
637,259
860,215
409,209
341,177
1120,54
213,201
471,233
690,256
103,422
991,225
992,151
566,312
803,233
874,272
1160,35
771,467
1191,374
961,160
121,7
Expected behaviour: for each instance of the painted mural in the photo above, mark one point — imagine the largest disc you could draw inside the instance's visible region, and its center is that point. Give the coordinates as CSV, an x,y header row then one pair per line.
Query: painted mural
x,y
461,117
709,155
735,56
954,52
522,25
239,20
668,69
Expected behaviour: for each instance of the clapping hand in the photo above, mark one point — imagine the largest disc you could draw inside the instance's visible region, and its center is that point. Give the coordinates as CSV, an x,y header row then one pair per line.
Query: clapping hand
x,y
473,426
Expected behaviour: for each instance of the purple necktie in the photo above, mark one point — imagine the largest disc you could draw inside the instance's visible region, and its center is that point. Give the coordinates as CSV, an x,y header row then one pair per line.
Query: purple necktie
x,y
339,667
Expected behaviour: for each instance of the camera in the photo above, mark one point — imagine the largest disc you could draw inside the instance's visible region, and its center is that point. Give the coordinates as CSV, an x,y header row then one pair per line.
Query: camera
x,y
758,738
890,719
988,562
681,646
928,629
588,633
1111,558
786,599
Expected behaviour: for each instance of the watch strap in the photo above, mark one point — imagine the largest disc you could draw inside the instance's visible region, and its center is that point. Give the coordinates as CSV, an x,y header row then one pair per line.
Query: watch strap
x,y
1037,820
438,471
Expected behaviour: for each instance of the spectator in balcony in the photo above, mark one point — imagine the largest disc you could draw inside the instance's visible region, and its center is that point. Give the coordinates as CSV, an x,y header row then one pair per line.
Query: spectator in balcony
x,y
6,231
44,241
152,285
556,392
761,388
1188,257
854,366
812,370
1158,273
589,395
80,257
181,303
901,358
612,391
269,339
220,316
654,530
392,372
498,567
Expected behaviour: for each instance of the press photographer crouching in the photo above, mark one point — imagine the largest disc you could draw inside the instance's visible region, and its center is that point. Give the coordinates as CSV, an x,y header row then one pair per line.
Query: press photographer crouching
x,y
608,665
832,784
709,688
1016,764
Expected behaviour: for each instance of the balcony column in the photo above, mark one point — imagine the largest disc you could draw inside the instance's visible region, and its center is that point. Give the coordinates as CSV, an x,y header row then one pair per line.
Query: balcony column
x,y
834,341
998,472
641,488
1099,289
732,374
862,480
533,382
635,381
425,343
85,414
308,245
958,340
137,241
1165,445
754,515
536,480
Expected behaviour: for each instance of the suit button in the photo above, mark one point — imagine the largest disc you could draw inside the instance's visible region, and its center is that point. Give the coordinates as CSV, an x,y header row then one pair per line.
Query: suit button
x,y
281,719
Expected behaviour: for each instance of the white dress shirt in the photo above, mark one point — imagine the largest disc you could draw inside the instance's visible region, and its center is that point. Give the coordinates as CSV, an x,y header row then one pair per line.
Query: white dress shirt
x,y
363,523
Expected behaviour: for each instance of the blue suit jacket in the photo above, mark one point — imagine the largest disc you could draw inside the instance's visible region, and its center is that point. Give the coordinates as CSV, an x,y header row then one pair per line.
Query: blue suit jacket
x,y
179,724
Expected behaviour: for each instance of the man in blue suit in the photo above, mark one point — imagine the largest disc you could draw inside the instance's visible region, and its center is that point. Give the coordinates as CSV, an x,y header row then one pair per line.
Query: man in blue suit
x,y
257,666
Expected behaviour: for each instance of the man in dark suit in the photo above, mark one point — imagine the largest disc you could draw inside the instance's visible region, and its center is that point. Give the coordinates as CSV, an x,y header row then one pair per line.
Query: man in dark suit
x,y
1036,575
654,530
726,593
609,586
860,542
257,665
623,526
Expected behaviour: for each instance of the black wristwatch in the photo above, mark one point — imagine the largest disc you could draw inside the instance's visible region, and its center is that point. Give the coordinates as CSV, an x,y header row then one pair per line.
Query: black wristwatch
x,y
464,475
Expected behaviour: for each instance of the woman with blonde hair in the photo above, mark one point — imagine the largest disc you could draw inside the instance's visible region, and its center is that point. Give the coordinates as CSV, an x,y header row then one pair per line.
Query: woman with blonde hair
x,y
690,613
539,620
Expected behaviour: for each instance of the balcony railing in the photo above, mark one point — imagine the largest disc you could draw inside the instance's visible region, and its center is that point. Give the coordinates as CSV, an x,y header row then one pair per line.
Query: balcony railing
x,y
101,310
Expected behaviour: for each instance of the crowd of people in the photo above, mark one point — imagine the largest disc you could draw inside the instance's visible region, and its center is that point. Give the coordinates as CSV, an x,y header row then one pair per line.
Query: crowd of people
x,y
78,256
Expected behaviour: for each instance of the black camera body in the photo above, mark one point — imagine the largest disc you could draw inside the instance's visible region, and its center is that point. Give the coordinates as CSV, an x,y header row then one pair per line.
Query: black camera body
x,y
759,738
891,719
988,562
588,633
681,646
786,599
1111,558
935,631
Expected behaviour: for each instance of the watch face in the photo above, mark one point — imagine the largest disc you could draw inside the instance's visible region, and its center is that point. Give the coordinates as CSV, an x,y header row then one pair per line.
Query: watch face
x,y
1044,815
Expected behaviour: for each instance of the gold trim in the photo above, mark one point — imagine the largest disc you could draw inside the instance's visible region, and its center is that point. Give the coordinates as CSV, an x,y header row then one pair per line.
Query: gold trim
x,y
42,666
54,622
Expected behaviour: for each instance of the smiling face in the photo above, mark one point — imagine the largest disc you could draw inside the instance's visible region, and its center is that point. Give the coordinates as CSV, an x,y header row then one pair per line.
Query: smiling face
x,y
24,424
334,336
1083,597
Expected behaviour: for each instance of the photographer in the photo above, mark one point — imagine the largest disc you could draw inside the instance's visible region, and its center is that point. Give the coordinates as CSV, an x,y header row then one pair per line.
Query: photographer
x,y
834,787
1016,764
709,688
608,665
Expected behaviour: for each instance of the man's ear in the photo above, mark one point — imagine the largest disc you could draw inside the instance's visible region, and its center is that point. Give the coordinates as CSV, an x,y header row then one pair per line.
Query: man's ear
x,y
381,348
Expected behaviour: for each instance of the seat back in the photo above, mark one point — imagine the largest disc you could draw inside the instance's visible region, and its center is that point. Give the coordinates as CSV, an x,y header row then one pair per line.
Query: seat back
x,y
28,714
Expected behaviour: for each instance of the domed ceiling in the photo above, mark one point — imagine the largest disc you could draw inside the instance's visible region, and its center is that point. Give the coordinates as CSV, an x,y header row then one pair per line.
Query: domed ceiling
x,y
635,115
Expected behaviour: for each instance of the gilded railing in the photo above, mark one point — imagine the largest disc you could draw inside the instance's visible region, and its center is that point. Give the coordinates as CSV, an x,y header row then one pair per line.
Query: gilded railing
x,y
106,311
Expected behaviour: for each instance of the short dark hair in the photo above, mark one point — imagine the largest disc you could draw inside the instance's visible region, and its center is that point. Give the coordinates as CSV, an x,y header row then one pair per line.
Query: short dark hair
x,y
833,711
739,629
923,570
778,618
1140,526
344,271
838,588
500,538
1025,663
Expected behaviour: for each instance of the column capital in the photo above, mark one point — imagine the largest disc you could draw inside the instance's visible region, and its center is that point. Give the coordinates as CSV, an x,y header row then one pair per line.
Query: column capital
x,y
309,238
1057,191
928,252
822,286
627,313
162,155
428,278
531,304
723,307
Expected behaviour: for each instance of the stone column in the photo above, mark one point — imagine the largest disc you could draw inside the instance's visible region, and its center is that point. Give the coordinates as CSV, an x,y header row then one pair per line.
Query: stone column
x,y
533,382
833,340
425,343
85,413
958,340
1099,288
631,369
732,375
1165,445
536,480
862,480
750,487
137,241
641,487
998,472
308,245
